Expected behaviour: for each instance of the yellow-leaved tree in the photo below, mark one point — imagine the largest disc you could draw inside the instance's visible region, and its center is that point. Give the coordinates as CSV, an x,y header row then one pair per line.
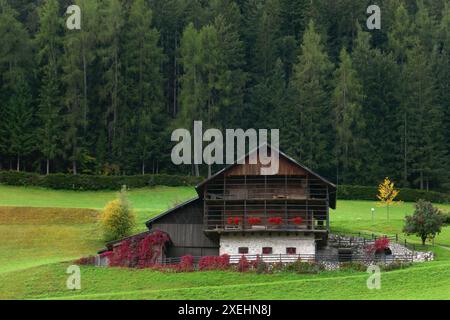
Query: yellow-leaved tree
x,y
117,218
387,194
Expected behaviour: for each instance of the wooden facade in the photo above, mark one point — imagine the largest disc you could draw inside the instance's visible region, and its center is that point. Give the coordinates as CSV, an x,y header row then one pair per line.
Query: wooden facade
x,y
238,199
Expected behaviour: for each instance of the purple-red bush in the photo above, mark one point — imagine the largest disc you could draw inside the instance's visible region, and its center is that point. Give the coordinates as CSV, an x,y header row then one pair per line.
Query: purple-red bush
x,y
186,264
139,251
214,263
243,265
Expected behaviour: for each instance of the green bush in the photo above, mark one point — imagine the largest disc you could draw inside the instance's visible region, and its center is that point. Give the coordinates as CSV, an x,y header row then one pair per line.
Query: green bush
x,y
90,182
354,265
302,267
345,192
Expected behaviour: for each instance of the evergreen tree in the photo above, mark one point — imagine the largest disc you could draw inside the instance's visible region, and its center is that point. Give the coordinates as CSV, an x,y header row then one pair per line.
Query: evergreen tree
x,y
424,133
49,113
144,82
311,116
19,122
111,90
78,57
349,123
380,79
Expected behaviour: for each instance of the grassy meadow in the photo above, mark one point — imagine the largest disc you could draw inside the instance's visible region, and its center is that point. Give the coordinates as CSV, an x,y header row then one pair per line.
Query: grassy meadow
x,y
41,230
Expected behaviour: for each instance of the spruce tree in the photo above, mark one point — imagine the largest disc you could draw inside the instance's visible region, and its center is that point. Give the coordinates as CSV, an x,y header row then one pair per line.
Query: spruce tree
x,y
49,113
348,120
310,119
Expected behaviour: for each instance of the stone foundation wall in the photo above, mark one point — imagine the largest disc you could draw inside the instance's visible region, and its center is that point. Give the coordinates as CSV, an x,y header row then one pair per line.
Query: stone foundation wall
x,y
229,244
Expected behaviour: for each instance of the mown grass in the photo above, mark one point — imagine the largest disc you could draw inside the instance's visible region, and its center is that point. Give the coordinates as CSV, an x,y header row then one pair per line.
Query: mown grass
x,y
49,282
356,216
39,229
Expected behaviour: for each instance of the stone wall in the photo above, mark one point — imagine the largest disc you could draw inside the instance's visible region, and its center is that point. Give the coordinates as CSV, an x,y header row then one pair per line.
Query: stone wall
x,y
230,244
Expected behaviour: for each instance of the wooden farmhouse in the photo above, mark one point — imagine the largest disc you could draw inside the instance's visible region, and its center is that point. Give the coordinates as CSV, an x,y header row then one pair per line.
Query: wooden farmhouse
x,y
239,211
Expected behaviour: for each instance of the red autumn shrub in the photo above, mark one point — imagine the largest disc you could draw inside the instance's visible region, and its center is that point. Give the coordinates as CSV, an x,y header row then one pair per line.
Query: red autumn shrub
x,y
381,244
214,263
106,254
139,252
254,221
297,220
186,264
275,220
243,265
85,261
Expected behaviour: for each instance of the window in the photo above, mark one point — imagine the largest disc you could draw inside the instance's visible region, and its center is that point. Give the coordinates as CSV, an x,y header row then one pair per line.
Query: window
x,y
291,250
267,250
243,250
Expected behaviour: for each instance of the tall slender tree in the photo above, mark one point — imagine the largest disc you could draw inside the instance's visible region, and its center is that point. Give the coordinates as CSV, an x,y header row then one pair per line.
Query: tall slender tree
x,y
49,41
348,120
311,114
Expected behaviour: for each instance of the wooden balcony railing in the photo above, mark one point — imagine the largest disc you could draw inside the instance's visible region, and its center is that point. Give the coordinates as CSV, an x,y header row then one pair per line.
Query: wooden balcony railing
x,y
255,224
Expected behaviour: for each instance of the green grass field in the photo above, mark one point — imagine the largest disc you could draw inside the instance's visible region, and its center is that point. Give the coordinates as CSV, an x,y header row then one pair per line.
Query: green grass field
x,y
40,230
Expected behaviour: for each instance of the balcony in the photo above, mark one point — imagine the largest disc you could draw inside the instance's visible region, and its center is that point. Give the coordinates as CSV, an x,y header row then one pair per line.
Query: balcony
x,y
256,216
265,188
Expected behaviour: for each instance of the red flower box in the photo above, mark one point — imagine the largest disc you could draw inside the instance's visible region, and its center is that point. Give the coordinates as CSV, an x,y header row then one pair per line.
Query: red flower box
x,y
233,221
297,220
254,221
275,220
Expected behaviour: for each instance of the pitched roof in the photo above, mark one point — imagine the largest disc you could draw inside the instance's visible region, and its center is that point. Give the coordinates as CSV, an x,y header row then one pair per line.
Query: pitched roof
x,y
199,187
182,205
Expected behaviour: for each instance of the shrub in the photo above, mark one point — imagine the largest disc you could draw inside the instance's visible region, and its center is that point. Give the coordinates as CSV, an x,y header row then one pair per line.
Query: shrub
x,y
94,182
304,267
214,263
356,266
117,218
446,218
186,264
141,251
260,266
426,221
243,265
381,244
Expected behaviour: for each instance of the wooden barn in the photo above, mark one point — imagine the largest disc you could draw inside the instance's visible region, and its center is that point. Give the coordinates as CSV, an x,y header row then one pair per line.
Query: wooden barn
x,y
240,211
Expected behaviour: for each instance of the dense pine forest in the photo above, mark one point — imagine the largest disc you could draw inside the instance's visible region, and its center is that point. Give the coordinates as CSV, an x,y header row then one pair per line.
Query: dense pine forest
x,y
354,104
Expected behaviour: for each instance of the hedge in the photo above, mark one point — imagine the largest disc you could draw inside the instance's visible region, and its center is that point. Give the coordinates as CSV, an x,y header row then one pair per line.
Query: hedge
x,y
91,182
407,195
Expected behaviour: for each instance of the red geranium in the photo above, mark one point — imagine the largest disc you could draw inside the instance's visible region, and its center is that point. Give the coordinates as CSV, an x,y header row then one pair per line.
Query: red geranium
x,y
233,220
253,221
297,220
275,220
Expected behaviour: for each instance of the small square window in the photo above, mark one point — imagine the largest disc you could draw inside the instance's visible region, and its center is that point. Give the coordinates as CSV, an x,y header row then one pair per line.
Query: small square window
x,y
291,250
243,250
267,250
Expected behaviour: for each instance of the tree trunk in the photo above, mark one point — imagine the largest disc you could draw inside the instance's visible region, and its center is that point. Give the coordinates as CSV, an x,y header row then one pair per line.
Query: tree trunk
x,y
424,238
18,163
48,166
74,167
197,171
85,107
143,167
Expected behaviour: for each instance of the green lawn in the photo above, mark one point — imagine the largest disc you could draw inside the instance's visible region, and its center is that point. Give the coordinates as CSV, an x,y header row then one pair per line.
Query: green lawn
x,y
39,229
